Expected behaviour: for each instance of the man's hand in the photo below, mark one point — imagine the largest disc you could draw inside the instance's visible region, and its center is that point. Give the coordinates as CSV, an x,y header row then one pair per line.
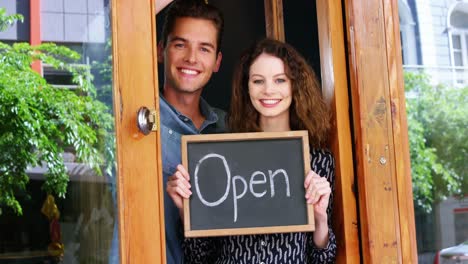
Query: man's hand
x,y
178,187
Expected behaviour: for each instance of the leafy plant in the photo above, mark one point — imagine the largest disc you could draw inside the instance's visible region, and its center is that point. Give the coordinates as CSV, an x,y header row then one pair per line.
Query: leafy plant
x,y
437,123
40,122
7,21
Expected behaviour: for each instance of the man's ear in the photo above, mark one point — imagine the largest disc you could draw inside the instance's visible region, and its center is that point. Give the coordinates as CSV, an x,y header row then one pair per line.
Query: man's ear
x,y
218,62
160,52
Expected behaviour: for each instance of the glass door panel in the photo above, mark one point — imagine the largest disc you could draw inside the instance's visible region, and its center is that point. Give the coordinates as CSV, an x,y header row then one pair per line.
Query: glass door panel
x,y
75,224
439,176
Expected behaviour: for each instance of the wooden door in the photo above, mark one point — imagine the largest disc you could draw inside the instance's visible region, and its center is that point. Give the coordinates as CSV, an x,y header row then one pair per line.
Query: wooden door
x,y
78,226
386,215
140,186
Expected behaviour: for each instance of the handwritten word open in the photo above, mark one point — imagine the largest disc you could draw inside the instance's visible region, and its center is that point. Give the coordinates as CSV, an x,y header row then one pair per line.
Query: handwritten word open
x,y
257,178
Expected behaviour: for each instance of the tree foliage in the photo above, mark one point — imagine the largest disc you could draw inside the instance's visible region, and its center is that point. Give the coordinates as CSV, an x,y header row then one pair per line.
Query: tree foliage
x,y
437,122
40,122
7,21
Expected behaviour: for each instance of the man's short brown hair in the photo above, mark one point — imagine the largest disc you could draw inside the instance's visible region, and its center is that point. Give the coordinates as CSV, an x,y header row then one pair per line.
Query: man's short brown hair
x,y
194,9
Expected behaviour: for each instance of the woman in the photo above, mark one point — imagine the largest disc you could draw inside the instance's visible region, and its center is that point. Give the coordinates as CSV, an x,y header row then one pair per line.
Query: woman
x,y
274,89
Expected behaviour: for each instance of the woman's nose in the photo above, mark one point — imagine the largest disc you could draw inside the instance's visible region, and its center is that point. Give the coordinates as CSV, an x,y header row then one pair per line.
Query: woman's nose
x,y
269,87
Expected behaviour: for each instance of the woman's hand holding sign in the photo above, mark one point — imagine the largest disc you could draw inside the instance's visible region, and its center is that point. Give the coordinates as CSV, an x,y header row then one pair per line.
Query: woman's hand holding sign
x,y
318,192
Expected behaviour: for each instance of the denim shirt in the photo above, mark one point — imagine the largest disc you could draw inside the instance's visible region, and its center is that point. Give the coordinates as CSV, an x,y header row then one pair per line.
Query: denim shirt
x,y
173,126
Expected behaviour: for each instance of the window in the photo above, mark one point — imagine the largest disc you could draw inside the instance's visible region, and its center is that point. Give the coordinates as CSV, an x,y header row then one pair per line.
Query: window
x,y
58,77
407,34
461,224
458,29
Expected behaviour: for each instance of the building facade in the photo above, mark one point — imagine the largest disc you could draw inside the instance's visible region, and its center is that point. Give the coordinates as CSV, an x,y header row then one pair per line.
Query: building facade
x,y
80,25
434,38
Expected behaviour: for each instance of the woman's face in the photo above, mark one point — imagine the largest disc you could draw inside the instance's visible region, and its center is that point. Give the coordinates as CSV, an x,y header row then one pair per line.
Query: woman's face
x,y
270,88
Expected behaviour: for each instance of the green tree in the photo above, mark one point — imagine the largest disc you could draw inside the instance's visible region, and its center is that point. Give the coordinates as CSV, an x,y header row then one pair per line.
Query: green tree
x,y
39,122
437,122
7,21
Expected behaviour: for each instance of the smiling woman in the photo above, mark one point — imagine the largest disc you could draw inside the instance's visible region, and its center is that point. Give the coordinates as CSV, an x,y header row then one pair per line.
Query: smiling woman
x,y
270,90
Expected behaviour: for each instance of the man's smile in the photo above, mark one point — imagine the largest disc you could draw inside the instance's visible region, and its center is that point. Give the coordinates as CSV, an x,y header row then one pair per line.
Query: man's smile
x,y
188,71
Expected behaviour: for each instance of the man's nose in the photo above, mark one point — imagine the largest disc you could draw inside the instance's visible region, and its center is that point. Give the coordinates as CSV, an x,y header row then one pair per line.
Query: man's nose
x,y
191,55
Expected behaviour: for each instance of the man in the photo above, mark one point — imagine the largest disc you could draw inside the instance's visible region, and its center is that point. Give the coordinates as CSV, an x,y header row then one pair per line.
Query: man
x,y
190,50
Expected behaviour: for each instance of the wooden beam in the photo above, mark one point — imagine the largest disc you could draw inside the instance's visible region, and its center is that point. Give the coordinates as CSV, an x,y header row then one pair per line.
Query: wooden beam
x,y
35,31
139,183
383,172
400,134
335,92
274,19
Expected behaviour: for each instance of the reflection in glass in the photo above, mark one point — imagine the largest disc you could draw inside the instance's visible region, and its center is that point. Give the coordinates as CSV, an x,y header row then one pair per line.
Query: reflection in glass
x,y
54,223
456,42
436,101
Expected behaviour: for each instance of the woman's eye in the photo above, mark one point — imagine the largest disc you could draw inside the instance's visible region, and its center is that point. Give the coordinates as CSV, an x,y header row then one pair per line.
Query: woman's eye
x,y
280,80
257,81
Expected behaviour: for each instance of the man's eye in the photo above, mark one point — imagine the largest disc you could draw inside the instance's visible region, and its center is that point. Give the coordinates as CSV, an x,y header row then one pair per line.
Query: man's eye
x,y
205,49
179,45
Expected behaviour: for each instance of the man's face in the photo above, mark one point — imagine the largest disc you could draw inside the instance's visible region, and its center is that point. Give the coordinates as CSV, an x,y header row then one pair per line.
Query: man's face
x,y
190,55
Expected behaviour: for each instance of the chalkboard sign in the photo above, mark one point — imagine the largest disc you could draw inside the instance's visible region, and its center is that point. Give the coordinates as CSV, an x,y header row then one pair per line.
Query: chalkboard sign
x,y
247,183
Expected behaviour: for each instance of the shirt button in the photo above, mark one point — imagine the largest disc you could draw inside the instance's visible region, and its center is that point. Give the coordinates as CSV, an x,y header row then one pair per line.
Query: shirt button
x,y
263,243
170,131
262,262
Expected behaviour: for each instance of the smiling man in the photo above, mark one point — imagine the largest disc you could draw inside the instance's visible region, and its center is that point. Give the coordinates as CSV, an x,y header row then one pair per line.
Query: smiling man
x,y
190,51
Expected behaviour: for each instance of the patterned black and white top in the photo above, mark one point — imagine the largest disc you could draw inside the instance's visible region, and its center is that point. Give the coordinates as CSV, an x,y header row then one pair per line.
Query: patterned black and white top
x,y
294,248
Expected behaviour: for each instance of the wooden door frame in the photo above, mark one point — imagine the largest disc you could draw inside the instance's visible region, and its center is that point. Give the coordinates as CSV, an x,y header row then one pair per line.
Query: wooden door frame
x,y
383,169
386,209
335,92
139,183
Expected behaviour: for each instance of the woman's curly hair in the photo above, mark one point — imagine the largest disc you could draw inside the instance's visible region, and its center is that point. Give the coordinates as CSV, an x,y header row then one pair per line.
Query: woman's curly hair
x,y
308,110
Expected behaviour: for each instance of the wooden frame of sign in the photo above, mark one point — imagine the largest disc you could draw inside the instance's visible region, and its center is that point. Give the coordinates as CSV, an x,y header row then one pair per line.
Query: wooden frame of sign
x,y
232,219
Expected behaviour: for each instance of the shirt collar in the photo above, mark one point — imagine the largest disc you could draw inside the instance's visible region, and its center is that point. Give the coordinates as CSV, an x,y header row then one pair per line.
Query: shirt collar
x,y
207,111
